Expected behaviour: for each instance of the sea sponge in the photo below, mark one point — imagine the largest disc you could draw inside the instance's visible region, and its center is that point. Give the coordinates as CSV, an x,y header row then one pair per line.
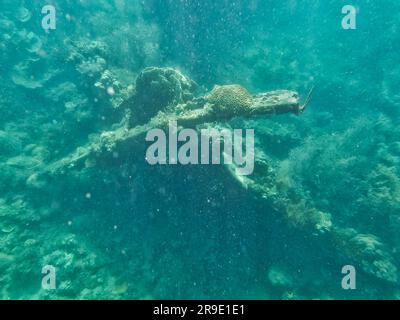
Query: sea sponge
x,y
230,99
158,89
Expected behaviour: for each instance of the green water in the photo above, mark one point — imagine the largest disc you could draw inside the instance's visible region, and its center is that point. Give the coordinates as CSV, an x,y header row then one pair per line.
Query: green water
x,y
324,194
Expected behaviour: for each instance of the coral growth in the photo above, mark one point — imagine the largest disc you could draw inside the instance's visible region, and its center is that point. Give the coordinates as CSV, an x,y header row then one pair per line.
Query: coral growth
x,y
230,99
158,89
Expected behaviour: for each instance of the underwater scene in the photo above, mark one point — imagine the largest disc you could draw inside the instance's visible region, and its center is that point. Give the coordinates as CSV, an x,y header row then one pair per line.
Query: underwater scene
x,y
199,149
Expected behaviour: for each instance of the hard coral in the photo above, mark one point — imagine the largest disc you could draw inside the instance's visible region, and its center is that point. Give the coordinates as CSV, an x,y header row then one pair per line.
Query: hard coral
x,y
230,99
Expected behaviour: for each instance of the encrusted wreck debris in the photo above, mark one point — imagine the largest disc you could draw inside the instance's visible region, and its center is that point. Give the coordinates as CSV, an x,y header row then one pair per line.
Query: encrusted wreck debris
x,y
164,95
176,102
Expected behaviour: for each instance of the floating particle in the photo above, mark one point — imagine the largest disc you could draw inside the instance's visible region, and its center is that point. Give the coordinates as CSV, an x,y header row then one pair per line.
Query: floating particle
x,y
111,91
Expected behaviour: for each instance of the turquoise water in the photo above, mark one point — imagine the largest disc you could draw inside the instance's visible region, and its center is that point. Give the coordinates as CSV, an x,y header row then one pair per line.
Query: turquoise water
x,y
324,194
